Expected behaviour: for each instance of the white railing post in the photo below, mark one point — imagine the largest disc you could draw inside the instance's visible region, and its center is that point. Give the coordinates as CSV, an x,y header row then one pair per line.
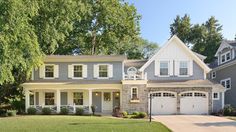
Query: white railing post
x,y
74,110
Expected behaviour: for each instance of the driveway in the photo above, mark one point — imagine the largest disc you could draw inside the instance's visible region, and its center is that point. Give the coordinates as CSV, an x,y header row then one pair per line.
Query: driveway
x,y
197,123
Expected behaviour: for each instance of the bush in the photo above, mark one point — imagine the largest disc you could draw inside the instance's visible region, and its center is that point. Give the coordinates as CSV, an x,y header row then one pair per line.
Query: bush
x,y
3,112
79,111
64,111
46,111
135,113
228,111
11,113
142,114
31,111
124,113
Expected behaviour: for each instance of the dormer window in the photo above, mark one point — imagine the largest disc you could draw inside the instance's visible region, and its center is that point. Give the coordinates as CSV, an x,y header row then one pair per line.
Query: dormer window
x,y
225,57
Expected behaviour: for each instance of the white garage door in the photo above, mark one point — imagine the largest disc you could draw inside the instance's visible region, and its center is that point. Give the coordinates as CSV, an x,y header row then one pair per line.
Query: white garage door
x,y
164,103
194,103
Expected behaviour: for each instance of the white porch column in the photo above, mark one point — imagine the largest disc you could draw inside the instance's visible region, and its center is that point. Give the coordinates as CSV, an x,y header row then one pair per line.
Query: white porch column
x,y
27,99
90,100
58,101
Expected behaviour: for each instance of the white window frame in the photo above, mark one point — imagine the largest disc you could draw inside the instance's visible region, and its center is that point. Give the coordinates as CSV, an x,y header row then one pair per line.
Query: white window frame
x,y
188,67
107,71
213,74
73,76
225,80
132,92
218,95
225,57
168,62
45,71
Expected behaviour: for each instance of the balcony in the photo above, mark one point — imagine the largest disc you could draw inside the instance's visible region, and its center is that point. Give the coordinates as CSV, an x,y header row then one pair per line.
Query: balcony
x,y
136,76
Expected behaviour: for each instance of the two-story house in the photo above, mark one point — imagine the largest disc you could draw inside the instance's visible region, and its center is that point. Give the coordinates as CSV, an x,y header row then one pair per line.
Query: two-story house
x,y
175,77
224,70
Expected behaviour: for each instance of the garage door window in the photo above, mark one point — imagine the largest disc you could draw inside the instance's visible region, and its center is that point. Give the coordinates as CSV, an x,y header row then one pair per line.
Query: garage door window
x,y
199,95
156,94
187,95
168,95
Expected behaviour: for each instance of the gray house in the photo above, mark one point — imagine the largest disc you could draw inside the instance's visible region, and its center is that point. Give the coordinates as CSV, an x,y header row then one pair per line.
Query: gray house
x,y
175,76
224,70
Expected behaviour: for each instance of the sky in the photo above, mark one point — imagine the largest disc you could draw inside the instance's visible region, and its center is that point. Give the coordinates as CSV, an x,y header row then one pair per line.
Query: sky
x,y
157,15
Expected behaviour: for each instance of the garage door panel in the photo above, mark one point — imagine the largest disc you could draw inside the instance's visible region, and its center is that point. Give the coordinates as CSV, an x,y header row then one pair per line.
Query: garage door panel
x,y
164,103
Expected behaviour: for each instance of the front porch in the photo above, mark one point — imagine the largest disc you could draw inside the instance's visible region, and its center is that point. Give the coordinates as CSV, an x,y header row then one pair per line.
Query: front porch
x,y
104,99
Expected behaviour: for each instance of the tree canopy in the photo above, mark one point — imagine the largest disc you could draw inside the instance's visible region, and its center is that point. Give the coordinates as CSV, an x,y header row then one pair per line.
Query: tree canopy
x,y
204,38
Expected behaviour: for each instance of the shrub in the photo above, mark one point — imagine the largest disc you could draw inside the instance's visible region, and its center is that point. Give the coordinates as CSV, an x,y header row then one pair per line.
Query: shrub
x,y
3,112
11,112
135,113
46,111
93,109
31,111
228,111
79,111
142,114
124,113
64,111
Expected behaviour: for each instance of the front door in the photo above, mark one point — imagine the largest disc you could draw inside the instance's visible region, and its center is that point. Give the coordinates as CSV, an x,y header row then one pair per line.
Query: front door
x,y
97,101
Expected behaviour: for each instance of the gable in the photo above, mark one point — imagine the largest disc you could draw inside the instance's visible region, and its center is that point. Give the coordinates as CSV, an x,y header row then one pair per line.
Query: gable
x,y
176,49
223,46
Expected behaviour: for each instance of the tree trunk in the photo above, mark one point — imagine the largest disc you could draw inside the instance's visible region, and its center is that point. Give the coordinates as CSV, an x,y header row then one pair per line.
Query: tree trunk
x,y
94,36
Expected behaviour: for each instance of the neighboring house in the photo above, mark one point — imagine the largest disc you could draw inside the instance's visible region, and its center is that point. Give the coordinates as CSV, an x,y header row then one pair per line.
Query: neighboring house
x,y
175,77
224,70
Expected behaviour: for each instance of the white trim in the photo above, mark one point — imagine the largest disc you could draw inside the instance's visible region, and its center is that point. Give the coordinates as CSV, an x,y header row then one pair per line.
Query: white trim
x,y
169,67
212,77
132,92
195,58
223,45
45,71
218,96
223,99
108,68
188,68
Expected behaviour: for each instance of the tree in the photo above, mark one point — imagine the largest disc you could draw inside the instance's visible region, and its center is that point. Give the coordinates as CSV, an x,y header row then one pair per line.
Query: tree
x,y
107,27
181,27
204,38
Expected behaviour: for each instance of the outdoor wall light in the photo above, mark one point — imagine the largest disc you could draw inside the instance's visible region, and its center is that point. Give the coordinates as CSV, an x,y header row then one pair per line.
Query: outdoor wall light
x,y
117,94
96,93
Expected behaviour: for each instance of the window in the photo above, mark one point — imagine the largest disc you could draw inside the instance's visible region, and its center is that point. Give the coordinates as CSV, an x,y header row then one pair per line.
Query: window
x,y
183,68
156,94
187,95
103,70
213,75
164,68
31,99
134,93
222,58
199,95
78,98
215,96
107,96
228,56
168,95
78,71
226,83
49,98
49,71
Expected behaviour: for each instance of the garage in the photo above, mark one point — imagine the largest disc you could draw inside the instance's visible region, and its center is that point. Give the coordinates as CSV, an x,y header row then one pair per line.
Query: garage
x,y
164,103
194,103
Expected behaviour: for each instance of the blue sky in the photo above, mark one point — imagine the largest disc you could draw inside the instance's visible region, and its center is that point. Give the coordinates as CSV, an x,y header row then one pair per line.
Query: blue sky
x,y
157,15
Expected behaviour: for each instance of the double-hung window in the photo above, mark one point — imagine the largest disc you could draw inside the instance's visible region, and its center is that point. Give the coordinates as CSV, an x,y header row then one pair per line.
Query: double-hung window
x,y
164,68
49,98
226,83
183,68
78,71
78,98
226,57
216,96
134,93
49,71
103,71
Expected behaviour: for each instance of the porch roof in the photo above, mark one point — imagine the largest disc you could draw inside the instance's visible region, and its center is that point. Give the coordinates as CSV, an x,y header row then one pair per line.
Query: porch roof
x,y
45,81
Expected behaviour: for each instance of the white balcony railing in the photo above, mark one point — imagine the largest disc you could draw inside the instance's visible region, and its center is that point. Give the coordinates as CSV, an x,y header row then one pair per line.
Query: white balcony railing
x,y
135,76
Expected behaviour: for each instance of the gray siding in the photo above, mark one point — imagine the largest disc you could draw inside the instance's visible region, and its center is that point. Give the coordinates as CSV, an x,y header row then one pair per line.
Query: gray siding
x,y
228,72
217,104
198,73
63,71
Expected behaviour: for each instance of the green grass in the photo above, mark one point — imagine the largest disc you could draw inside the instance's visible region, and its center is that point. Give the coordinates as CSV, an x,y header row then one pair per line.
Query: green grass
x,y
77,124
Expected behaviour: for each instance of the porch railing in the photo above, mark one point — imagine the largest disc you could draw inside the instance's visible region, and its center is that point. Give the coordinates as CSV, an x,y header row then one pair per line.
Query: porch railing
x,y
135,76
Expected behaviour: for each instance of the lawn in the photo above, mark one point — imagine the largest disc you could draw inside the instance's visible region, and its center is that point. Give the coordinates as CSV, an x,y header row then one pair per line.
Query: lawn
x,y
78,124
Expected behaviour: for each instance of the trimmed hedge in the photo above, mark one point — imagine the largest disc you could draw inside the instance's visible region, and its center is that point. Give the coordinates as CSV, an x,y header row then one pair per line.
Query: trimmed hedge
x,y
46,111
11,113
79,111
64,111
31,111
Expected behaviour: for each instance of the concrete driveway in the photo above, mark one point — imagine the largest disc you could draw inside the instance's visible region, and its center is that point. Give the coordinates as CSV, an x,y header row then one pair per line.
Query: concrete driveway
x,y
197,123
